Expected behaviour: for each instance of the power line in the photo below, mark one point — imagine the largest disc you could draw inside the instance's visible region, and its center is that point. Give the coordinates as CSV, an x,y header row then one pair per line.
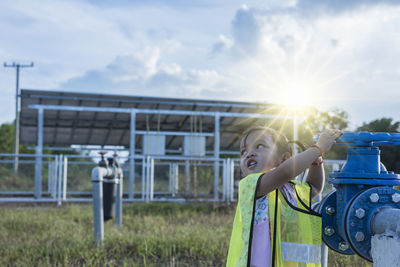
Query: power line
x,y
17,66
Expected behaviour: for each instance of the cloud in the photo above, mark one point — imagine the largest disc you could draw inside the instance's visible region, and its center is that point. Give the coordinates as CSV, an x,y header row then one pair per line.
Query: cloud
x,y
224,43
246,29
346,52
144,73
335,6
336,51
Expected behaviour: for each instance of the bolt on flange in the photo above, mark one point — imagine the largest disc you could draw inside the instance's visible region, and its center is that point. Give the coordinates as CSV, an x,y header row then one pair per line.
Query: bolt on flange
x,y
396,197
330,210
360,236
343,245
360,213
329,231
374,197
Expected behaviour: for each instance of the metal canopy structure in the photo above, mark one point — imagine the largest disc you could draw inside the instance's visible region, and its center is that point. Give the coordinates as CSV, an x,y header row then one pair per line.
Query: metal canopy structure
x,y
100,119
66,118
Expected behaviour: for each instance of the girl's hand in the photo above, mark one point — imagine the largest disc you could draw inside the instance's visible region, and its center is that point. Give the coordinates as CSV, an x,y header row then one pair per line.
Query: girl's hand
x,y
327,139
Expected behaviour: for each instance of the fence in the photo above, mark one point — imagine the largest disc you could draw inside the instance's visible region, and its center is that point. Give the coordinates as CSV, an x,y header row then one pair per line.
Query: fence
x,y
66,178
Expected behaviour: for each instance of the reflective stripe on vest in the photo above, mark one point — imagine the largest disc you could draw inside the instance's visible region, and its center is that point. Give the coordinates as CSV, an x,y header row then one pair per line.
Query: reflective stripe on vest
x,y
300,252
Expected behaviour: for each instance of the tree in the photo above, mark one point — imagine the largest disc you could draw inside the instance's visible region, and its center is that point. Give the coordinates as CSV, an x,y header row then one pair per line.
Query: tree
x,y
7,140
316,121
380,125
390,155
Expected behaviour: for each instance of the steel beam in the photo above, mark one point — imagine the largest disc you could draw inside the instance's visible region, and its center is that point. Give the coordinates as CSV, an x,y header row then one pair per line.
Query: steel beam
x,y
216,154
132,144
161,111
39,155
155,101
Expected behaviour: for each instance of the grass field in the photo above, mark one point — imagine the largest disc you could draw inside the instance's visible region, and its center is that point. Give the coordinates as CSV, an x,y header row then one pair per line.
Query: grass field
x,y
158,234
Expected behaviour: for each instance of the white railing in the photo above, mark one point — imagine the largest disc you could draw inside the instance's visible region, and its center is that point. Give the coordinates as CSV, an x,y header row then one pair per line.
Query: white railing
x,y
154,178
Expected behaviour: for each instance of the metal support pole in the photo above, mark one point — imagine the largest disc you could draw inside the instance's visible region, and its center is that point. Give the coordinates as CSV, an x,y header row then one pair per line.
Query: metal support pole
x,y
64,181
118,201
98,213
231,179
175,179
39,155
171,179
144,178
50,170
216,154
151,179
132,154
59,179
55,172
187,177
224,187
16,124
52,177
148,179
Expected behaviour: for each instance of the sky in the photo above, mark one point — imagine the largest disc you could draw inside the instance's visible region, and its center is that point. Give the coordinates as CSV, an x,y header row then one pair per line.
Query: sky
x,y
341,54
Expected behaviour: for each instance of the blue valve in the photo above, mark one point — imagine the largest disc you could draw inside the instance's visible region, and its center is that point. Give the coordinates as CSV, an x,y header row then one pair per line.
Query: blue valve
x,y
363,187
369,139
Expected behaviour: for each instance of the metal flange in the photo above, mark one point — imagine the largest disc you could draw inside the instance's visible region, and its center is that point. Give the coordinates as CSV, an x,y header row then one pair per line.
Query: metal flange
x,y
330,231
358,228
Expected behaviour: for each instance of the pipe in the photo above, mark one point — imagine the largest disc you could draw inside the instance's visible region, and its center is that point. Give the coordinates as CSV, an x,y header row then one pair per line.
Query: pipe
x,y
386,219
98,173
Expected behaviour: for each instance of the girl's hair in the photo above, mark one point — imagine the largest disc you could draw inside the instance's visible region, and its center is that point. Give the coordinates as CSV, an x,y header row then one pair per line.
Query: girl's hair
x,y
279,139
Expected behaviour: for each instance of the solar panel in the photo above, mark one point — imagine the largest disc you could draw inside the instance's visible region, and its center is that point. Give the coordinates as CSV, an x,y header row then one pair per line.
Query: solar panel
x,y
73,127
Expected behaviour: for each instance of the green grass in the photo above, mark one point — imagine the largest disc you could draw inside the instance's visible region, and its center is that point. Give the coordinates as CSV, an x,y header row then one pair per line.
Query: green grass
x,y
157,234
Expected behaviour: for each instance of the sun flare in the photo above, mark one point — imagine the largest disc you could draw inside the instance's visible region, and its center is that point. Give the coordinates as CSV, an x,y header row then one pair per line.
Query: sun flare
x,y
297,93
296,97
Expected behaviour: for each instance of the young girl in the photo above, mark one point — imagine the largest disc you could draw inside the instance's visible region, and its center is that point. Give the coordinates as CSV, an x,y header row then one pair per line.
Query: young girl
x,y
274,224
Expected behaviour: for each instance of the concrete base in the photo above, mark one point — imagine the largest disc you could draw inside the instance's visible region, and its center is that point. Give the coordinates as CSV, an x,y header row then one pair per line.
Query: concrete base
x,y
385,250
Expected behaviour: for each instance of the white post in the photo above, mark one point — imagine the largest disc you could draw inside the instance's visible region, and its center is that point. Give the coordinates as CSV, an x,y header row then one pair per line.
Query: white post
x,y
216,154
231,179
151,176
144,178
224,180
118,175
132,154
98,213
49,177
187,177
176,178
65,177
55,177
148,167
39,155
59,179
170,179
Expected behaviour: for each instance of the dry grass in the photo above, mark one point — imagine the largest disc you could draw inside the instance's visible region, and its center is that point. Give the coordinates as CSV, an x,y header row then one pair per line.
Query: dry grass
x,y
158,234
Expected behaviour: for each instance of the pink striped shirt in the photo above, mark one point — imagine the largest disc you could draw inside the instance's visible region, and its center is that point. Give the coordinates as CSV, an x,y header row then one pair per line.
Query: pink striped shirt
x,y
261,241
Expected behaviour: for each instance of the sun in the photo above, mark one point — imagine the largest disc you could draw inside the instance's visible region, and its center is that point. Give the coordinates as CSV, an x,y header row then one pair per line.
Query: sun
x,y
296,96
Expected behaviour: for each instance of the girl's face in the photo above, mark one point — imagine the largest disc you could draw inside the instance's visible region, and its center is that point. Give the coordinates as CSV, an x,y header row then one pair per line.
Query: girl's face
x,y
258,153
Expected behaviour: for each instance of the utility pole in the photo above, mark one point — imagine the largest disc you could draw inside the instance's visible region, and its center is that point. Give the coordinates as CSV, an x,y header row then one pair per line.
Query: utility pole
x,y
17,66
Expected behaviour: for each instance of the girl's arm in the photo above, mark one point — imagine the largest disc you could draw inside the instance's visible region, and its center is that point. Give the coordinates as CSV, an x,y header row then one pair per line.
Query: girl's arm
x,y
287,171
295,165
316,178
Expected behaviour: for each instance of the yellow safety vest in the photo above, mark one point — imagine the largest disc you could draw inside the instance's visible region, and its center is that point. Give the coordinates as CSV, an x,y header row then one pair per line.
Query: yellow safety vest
x,y
297,238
